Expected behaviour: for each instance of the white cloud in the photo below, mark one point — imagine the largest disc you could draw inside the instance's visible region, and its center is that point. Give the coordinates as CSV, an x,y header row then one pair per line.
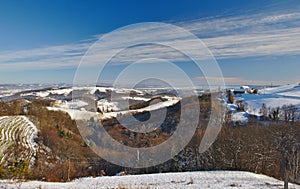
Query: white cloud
x,y
237,81
277,42
240,24
227,37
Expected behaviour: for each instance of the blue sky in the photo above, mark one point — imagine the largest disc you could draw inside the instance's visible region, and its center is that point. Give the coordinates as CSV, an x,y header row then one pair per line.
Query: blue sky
x,y
254,42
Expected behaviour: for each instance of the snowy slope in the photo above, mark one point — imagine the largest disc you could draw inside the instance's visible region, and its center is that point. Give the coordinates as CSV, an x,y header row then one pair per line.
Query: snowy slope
x,y
64,92
281,89
254,105
86,115
205,179
11,89
272,97
76,112
170,102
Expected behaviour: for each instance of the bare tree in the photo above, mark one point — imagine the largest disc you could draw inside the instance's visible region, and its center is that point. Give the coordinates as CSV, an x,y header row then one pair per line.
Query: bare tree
x,y
274,114
289,113
264,110
287,144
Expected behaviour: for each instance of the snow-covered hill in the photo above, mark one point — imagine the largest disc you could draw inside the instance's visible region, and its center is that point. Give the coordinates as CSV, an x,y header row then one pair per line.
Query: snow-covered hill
x,y
272,97
81,104
202,179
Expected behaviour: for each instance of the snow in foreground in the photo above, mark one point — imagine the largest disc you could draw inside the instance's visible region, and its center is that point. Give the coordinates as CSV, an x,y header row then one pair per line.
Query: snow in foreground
x,y
204,179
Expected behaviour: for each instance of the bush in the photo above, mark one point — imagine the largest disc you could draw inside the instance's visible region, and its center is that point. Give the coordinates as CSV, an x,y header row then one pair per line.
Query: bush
x,y
241,105
231,98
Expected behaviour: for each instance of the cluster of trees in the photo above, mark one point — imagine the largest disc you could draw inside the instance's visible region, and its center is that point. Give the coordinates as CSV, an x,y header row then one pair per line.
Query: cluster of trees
x,y
18,168
288,113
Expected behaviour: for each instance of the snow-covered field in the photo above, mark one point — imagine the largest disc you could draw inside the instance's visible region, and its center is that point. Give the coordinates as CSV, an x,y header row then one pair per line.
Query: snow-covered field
x,y
75,114
170,102
10,89
201,179
64,92
76,110
86,115
272,98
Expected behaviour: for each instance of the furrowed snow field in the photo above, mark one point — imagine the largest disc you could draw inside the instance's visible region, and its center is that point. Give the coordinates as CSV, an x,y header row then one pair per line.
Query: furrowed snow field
x,y
17,130
201,179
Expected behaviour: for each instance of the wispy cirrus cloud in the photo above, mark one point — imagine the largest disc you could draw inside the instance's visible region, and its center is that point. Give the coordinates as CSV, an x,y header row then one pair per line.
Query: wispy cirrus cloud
x,y
235,81
45,58
226,37
216,26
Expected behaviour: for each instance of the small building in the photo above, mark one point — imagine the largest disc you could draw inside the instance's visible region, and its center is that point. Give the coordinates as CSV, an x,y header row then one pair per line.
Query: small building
x,y
238,91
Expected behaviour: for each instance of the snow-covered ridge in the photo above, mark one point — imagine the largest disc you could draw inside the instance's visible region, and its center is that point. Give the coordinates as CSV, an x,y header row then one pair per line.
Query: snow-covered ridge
x,y
170,102
20,130
46,93
201,179
75,114
81,103
67,91
109,109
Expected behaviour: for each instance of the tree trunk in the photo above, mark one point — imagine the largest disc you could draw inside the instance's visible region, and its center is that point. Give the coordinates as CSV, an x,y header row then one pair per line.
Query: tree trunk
x,y
286,179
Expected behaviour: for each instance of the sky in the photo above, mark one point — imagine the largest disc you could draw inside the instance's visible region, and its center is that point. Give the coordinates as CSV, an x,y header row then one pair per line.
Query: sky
x,y
253,42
